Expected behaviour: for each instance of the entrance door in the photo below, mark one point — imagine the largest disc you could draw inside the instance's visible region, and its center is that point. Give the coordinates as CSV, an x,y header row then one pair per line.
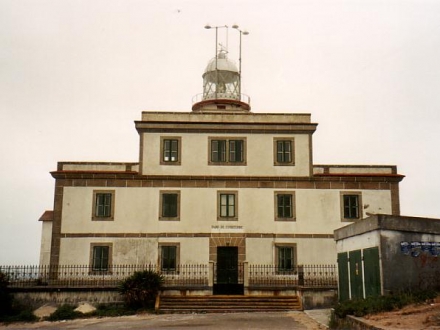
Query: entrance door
x,y
227,279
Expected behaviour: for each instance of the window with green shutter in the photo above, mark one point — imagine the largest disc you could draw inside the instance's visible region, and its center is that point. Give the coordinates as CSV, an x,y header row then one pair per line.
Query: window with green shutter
x,y
230,151
168,258
100,260
103,205
285,258
284,151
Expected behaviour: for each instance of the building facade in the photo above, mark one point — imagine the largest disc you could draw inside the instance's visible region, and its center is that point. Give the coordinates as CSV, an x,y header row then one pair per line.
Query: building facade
x,y
218,185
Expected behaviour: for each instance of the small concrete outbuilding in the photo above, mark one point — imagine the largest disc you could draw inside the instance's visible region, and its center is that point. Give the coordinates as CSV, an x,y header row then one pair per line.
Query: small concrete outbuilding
x,y
383,254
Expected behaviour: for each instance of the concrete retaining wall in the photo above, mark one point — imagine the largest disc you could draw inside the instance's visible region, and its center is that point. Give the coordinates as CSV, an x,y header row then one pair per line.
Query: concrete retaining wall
x,y
311,297
59,297
318,298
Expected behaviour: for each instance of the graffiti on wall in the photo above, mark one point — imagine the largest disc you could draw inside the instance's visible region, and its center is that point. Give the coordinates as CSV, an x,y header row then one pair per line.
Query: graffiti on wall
x,y
425,260
415,249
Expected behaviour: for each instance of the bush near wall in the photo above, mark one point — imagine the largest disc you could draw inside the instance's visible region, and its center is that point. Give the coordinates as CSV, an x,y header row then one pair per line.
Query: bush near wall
x,y
11,311
141,289
5,296
372,305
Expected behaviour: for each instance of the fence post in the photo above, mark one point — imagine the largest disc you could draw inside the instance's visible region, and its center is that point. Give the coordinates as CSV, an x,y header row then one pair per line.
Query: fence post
x,y
301,275
246,274
211,274
53,272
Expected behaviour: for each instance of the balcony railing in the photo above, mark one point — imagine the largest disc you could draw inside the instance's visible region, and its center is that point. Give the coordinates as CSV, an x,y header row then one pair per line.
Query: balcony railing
x,y
223,96
185,275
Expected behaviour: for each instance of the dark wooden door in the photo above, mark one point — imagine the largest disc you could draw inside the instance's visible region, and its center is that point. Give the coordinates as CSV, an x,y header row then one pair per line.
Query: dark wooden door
x,y
227,265
227,280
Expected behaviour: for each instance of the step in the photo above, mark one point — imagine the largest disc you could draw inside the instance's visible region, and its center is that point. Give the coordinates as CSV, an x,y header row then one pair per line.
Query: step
x,y
228,304
229,298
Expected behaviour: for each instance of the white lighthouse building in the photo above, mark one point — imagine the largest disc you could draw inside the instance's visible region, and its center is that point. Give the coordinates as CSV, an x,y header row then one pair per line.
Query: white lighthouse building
x,y
218,185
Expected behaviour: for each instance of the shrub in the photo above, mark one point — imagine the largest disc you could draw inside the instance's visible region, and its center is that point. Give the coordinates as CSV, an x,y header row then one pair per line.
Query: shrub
x,y
64,312
371,305
10,310
141,288
24,315
5,296
111,310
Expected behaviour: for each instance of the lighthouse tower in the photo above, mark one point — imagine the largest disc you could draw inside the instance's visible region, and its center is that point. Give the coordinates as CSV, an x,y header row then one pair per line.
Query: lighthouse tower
x,y
222,84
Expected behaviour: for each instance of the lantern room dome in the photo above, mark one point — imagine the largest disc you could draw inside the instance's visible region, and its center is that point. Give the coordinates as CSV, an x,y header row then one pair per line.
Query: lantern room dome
x,y
222,63
221,87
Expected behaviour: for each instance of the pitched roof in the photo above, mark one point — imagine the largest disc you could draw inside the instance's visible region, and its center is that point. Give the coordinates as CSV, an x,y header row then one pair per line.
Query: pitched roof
x,y
46,216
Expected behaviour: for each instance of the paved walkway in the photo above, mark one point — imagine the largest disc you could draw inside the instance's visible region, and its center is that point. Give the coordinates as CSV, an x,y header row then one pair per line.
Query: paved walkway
x,y
321,316
309,320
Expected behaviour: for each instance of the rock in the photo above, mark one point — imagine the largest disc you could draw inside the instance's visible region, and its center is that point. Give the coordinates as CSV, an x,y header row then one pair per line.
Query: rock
x,y
85,308
45,310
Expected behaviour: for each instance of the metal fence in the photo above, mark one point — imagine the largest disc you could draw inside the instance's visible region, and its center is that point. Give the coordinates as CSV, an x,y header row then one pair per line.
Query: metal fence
x,y
320,275
86,276
229,274
302,275
186,275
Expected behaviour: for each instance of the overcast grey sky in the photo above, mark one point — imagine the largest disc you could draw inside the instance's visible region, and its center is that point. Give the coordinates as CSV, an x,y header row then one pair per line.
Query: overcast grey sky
x,y
75,74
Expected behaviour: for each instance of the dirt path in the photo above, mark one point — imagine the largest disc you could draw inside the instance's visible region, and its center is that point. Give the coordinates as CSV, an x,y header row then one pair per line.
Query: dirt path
x,y
422,316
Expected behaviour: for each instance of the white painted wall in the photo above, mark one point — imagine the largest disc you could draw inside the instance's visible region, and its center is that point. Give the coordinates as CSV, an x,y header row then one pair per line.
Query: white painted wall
x,y
315,251
76,251
309,250
46,239
358,242
130,251
137,211
195,156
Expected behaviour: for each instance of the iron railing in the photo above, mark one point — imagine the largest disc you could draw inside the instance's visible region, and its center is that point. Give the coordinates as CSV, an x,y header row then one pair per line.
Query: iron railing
x,y
185,275
233,275
302,275
86,276
212,96
320,275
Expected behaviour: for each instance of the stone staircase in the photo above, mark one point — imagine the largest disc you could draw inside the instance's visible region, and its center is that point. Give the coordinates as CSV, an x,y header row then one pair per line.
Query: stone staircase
x,y
228,304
